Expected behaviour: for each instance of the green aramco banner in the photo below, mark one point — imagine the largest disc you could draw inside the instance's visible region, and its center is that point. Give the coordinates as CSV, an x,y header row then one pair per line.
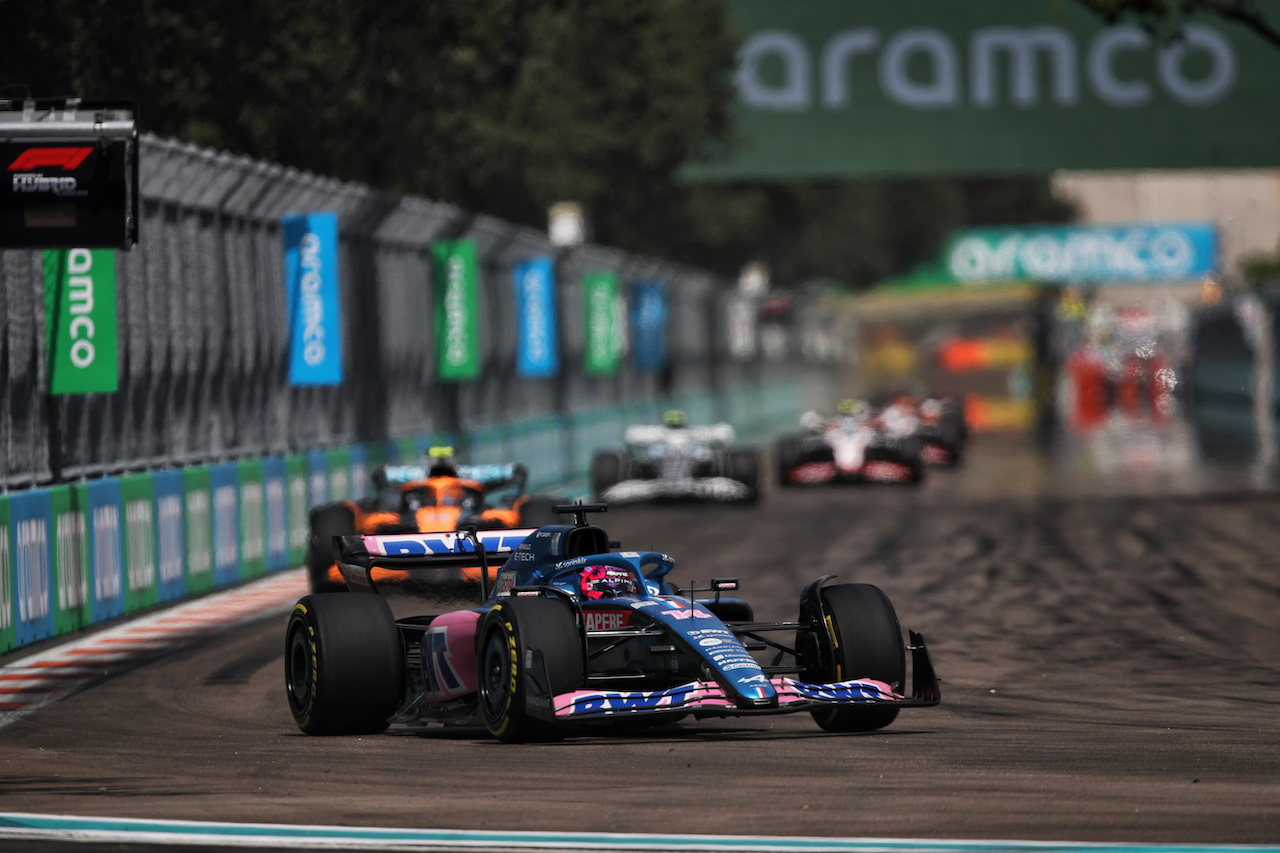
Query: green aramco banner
x,y
457,295
80,320
923,87
603,349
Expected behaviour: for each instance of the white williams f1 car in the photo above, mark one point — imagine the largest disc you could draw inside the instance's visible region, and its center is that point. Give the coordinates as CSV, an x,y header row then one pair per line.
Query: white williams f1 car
x,y
675,462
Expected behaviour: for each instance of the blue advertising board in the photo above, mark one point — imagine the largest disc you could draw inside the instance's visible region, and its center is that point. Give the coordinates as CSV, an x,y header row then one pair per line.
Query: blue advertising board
x,y
649,325
537,343
106,548
171,534
275,485
1085,254
31,525
225,484
311,288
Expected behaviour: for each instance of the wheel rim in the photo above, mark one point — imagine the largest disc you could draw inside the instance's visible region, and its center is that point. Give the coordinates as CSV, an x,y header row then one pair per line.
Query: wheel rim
x,y
299,680
495,676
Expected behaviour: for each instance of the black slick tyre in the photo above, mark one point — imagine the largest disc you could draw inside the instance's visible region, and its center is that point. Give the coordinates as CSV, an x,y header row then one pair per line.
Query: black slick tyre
x,y
786,457
539,510
327,522
744,466
343,664
867,643
509,634
606,471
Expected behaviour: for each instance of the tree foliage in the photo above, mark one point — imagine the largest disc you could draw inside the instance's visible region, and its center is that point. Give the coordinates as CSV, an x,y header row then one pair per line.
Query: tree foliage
x,y
499,106
1163,17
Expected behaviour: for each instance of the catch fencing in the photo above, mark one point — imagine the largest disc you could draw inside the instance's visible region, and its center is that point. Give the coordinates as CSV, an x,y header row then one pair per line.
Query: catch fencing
x,y
199,471
203,343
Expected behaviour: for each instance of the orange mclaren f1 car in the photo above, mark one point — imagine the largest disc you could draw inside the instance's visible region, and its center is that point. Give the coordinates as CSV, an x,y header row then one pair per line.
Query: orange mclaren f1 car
x,y
426,499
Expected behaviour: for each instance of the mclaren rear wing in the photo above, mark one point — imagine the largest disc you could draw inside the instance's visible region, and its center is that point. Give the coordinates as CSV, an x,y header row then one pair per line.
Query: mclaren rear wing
x,y
460,554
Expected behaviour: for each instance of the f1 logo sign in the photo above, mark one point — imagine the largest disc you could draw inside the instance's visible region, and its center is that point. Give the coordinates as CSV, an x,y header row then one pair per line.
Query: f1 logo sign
x,y
67,159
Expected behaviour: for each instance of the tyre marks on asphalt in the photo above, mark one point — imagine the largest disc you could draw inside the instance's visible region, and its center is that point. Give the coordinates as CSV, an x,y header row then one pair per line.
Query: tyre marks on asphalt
x,y
34,682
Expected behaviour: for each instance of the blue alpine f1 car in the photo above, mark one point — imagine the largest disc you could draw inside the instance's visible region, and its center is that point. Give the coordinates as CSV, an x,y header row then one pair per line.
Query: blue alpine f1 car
x,y
571,634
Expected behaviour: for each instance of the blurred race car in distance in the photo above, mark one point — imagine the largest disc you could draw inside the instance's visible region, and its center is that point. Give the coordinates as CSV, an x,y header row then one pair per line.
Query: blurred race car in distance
x,y
943,431
674,461
425,499
578,636
860,444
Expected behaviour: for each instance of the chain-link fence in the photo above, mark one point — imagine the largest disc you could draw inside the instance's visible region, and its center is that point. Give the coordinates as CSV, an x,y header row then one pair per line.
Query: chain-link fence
x,y
203,345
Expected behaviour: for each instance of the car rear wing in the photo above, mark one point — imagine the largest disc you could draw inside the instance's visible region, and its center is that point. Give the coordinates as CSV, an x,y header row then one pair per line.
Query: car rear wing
x,y
490,476
457,551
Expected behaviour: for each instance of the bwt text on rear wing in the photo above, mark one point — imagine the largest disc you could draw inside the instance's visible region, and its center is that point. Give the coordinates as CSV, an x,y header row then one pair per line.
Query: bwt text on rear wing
x,y
466,551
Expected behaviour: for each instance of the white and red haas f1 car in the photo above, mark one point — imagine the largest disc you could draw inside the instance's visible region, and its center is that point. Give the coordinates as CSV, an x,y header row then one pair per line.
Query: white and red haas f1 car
x,y
857,446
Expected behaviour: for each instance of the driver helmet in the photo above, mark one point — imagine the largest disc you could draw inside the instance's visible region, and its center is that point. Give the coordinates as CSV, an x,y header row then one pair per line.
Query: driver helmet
x,y
442,462
606,582
674,418
847,406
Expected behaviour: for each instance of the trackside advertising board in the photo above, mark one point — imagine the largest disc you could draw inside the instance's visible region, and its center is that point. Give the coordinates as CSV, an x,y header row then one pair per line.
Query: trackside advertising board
x,y
1084,254
649,325
72,609
537,342
600,304
171,544
139,497
197,508
457,306
31,530
80,320
312,304
921,87
8,636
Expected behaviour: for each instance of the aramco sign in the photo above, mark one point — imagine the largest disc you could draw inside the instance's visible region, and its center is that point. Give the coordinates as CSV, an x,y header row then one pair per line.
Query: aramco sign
x,y
831,87
1084,254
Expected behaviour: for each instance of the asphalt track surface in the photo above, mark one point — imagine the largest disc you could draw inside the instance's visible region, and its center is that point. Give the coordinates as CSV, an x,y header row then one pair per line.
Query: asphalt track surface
x,y
1109,645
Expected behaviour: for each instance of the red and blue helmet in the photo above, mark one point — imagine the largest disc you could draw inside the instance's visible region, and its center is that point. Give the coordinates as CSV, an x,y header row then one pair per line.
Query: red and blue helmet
x,y
606,582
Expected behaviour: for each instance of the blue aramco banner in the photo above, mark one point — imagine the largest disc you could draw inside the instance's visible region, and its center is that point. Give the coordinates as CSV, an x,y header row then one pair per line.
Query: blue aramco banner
x,y
311,285
649,325
537,350
1085,253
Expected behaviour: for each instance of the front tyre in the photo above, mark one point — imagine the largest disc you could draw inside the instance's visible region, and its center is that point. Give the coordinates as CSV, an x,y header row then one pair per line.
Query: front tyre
x,y
327,522
509,634
343,664
866,642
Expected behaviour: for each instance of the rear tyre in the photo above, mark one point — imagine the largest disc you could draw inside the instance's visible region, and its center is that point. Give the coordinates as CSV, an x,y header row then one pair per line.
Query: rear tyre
x,y
327,522
867,643
606,471
786,457
343,664
509,633
539,510
744,466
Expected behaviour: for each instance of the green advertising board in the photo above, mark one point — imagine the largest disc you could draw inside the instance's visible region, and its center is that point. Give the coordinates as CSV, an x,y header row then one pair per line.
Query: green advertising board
x,y
339,474
299,507
457,307
603,346
829,88
197,486
139,498
8,634
72,607
80,320
253,519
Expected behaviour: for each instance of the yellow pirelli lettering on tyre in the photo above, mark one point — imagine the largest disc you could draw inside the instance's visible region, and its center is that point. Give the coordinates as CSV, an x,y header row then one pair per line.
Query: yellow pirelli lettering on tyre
x,y
515,658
